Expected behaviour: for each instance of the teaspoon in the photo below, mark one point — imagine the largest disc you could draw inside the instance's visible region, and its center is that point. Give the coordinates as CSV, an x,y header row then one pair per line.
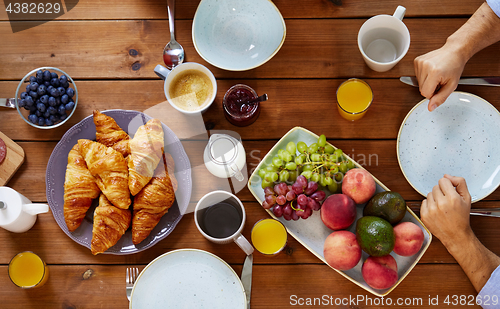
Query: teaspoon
x,y
173,53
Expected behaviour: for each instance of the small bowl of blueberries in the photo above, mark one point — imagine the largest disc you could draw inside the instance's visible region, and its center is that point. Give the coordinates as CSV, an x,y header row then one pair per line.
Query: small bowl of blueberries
x,y
46,97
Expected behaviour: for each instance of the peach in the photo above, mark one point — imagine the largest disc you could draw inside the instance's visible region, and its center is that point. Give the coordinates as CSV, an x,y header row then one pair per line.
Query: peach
x,y
359,185
338,212
341,250
380,272
409,238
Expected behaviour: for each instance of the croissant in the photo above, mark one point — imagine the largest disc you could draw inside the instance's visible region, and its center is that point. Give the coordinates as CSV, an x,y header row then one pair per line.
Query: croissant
x,y
145,154
151,204
110,223
109,169
80,189
110,134
169,161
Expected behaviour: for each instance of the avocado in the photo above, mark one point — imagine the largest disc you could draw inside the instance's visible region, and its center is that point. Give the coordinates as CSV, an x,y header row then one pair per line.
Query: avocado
x,y
375,235
387,205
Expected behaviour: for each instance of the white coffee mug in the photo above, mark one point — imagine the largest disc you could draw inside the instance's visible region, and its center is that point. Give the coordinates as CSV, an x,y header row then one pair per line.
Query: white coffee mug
x,y
169,75
17,213
384,40
214,222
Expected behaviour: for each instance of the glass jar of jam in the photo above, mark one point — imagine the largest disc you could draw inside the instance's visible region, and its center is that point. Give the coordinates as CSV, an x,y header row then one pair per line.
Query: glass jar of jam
x,y
237,108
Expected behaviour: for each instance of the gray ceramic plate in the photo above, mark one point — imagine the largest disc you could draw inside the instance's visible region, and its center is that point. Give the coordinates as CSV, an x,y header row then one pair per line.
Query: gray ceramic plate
x,y
56,171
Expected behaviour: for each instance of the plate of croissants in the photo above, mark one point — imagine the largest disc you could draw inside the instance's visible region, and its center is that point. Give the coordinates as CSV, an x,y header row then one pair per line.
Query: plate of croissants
x,y
118,182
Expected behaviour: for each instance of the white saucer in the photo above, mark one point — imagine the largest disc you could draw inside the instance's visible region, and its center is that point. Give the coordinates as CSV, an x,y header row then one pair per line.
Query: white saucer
x,y
460,138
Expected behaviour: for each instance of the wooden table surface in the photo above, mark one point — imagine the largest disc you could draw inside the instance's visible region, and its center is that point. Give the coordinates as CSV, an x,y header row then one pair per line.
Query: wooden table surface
x,y
111,47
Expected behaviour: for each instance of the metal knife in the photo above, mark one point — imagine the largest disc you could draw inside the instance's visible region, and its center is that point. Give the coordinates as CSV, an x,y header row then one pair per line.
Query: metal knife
x,y
7,103
486,81
486,212
246,277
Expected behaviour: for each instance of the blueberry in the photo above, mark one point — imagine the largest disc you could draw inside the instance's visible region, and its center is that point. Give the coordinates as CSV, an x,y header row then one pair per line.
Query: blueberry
x,y
53,75
52,101
61,90
64,99
38,113
54,118
48,122
47,76
70,106
23,95
21,103
58,101
44,99
33,79
64,116
70,92
63,78
49,87
46,114
33,94
61,110
34,86
52,110
28,88
47,84
41,107
41,90
29,101
33,109
39,74
55,82
26,107
54,92
41,121
65,84
40,80
33,118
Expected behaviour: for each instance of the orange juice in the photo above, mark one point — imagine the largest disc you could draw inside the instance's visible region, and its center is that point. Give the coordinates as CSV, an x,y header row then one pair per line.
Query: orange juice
x,y
354,96
269,236
27,270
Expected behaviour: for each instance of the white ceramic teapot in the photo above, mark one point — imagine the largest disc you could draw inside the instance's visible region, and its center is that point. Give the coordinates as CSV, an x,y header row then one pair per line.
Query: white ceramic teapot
x,y
17,213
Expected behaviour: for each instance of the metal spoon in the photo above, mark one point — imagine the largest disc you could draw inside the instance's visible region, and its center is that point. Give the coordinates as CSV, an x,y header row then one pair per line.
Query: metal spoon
x,y
258,99
173,53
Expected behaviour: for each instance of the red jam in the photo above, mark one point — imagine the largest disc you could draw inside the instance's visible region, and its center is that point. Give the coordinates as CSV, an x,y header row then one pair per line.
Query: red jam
x,y
236,107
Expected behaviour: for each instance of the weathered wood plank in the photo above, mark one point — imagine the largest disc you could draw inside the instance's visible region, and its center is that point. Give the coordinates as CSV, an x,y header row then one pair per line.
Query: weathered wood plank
x,y
83,55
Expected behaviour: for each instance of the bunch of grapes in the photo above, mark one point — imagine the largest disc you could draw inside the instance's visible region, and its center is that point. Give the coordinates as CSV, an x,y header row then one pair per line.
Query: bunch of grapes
x,y
318,162
294,201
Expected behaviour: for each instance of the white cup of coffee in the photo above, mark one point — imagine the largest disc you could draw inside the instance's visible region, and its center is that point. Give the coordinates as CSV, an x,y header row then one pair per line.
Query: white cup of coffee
x,y
384,40
189,87
220,217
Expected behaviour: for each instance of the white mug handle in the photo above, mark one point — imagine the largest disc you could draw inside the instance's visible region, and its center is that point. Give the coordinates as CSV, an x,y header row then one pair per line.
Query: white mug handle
x,y
162,71
400,12
238,175
243,243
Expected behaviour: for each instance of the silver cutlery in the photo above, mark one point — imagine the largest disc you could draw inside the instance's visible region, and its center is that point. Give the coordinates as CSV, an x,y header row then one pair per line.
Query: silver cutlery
x,y
173,53
131,276
486,212
11,103
246,277
486,81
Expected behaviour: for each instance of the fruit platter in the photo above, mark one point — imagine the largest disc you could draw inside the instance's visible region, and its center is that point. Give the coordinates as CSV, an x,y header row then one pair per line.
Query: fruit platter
x,y
305,200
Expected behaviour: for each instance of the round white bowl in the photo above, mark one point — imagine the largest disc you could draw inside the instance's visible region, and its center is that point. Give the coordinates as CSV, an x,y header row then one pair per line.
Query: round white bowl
x,y
238,35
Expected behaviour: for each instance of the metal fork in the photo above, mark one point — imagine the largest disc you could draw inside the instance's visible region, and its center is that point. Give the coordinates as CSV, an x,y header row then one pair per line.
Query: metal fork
x,y
130,278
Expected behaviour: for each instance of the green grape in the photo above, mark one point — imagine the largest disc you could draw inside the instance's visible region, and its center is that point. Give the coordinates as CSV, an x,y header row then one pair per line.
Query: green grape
x,y
291,166
302,147
322,180
316,157
284,175
271,168
299,160
269,176
329,149
322,140
287,157
338,152
306,174
277,161
343,167
334,170
333,187
315,177
262,173
291,148
275,177
313,148
280,153
350,164
293,175
308,167
266,183
328,180
339,177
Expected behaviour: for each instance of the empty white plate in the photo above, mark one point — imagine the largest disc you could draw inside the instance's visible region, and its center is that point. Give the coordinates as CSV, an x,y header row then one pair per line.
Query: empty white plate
x,y
459,138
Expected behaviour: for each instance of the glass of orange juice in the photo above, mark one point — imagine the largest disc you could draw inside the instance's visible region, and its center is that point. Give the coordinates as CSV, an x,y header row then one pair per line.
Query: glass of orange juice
x,y
354,97
269,236
27,270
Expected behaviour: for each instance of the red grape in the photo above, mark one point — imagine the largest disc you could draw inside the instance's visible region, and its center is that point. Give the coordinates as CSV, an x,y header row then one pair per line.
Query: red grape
x,y
313,204
311,188
301,180
271,199
287,209
295,217
290,196
297,188
268,191
278,211
318,196
281,200
302,199
287,217
281,188
266,205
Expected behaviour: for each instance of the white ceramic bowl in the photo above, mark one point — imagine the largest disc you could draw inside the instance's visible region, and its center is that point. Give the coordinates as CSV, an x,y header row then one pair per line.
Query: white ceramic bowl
x,y
238,35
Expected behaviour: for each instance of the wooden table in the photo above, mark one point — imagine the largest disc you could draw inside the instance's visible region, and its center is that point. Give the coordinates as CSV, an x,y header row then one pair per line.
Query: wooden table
x,y
111,47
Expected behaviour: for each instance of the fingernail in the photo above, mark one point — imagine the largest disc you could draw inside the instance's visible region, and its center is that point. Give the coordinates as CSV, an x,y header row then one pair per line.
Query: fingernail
x,y
432,107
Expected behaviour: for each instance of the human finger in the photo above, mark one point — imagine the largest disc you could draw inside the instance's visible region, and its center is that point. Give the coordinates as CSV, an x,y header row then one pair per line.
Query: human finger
x,y
441,95
438,195
461,186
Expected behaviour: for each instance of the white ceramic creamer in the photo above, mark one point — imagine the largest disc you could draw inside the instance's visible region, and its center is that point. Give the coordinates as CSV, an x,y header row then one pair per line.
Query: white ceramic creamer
x,y
225,156
17,213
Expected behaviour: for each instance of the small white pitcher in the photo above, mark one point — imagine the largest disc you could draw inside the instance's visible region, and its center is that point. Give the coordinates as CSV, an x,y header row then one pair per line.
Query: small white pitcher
x,y
225,157
17,213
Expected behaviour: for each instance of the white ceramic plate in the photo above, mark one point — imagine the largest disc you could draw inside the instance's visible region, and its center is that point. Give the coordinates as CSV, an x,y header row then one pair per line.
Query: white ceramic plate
x,y
460,138
188,278
311,233
238,35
